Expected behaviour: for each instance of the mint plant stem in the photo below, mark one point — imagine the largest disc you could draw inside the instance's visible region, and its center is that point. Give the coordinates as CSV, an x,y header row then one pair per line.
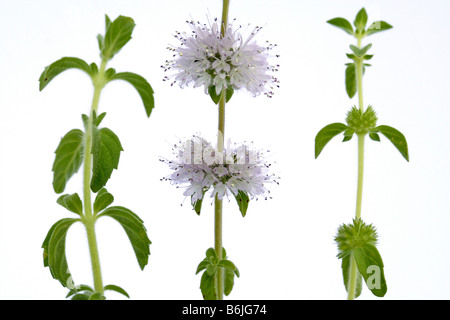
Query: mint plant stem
x,y
220,142
89,219
361,139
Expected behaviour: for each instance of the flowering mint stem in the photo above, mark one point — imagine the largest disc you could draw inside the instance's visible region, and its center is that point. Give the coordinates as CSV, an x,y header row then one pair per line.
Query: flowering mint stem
x,y
220,143
89,218
361,138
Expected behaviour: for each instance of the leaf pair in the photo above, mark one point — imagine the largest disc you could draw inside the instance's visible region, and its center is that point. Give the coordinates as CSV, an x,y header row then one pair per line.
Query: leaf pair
x,y
85,292
216,97
330,131
241,197
212,265
360,23
370,267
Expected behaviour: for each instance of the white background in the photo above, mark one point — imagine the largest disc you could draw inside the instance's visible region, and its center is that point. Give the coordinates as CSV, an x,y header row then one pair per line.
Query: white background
x,y
284,247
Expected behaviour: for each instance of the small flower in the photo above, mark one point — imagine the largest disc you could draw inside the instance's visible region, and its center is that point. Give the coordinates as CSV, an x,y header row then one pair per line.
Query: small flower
x,y
199,168
205,58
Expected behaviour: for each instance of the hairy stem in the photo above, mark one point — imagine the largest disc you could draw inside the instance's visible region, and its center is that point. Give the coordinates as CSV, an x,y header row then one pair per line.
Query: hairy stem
x,y
89,218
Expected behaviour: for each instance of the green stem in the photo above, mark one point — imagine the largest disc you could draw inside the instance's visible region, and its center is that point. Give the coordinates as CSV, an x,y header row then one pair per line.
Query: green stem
x,y
352,278
359,76
361,138
218,202
220,142
89,218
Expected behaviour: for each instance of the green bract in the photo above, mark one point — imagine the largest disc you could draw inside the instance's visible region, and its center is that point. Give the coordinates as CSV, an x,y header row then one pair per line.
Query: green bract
x,y
98,149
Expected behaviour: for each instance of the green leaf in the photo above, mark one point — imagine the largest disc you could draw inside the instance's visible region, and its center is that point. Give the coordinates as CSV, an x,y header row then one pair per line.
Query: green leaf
x,y
71,202
79,288
54,247
202,265
211,269
68,159
228,265
118,289
346,273
326,134
211,255
374,136
97,296
197,206
117,35
350,80
228,281
214,96
135,230
242,201
361,20
82,296
207,287
106,150
141,85
360,52
102,200
378,26
59,66
348,135
228,94
370,265
343,24
397,139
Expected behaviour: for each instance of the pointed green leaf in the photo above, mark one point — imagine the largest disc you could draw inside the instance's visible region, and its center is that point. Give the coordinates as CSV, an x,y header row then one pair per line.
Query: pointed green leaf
x,y
102,200
59,66
361,20
106,150
350,80
346,273
68,159
228,93
326,134
79,288
370,265
118,33
115,288
71,202
141,85
360,52
378,26
228,265
214,96
228,282
207,287
397,139
135,230
54,247
374,136
202,265
343,24
242,201
348,135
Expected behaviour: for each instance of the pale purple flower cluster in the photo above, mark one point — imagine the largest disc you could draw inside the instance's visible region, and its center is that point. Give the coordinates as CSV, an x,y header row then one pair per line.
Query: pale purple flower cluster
x,y
204,58
198,167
